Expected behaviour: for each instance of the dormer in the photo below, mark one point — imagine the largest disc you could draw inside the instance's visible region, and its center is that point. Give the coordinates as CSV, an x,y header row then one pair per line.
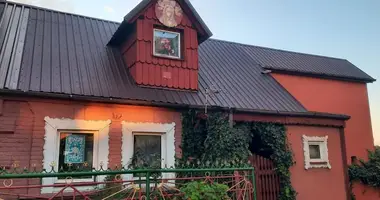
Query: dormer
x,y
159,42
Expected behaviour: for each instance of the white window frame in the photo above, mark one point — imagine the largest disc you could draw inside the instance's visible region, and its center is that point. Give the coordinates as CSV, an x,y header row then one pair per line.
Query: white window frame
x,y
54,127
163,55
167,131
322,162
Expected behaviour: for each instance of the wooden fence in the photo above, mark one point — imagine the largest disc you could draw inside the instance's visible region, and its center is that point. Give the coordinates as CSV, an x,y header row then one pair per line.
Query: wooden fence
x,y
267,181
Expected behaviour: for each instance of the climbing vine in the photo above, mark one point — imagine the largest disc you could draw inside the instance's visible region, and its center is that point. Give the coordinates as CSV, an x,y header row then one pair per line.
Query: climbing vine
x,y
211,139
366,172
274,138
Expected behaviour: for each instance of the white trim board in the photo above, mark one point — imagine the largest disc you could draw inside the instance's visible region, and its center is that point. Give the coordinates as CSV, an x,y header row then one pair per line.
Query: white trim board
x,y
322,162
53,126
167,143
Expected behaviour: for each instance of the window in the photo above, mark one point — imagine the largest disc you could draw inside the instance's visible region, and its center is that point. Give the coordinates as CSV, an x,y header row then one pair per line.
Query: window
x,y
148,144
167,44
76,151
72,144
147,150
316,152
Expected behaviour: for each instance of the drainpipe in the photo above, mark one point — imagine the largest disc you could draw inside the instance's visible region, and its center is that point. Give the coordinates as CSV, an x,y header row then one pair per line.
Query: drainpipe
x,y
345,162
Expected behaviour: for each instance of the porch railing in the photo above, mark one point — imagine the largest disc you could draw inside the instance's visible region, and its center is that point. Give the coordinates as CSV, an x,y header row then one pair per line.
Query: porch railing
x,y
128,184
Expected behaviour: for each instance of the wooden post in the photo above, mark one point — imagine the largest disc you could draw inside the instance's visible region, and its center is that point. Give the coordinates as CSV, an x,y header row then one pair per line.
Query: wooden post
x,y
1,107
231,118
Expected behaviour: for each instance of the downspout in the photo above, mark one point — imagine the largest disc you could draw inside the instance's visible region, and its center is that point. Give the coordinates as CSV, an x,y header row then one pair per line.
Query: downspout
x,y
345,163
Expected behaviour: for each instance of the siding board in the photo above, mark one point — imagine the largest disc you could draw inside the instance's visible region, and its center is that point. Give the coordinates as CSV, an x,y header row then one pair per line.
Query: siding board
x,y
15,65
64,57
35,79
26,66
93,80
72,57
56,68
79,51
8,44
5,21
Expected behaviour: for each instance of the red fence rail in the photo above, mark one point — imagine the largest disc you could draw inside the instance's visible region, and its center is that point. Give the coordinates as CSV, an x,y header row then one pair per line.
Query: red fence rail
x,y
126,184
267,180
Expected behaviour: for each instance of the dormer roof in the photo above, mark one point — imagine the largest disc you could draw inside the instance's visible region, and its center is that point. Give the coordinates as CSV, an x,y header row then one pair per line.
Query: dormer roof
x,y
203,31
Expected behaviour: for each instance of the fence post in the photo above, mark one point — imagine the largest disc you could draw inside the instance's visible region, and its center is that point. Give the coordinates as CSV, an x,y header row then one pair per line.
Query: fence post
x,y
254,184
147,186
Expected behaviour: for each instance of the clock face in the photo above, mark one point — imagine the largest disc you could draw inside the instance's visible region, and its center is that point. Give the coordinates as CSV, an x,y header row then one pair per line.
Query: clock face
x,y
169,12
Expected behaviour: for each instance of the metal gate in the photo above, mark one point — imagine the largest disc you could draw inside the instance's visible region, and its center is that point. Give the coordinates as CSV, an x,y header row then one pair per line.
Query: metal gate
x,y
267,180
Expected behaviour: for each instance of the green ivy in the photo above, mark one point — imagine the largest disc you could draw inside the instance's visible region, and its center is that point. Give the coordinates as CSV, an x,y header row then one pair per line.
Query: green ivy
x,y
366,172
211,139
275,139
200,190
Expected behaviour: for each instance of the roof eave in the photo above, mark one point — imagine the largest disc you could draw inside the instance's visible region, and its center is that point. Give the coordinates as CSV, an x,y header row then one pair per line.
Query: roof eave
x,y
167,105
319,75
200,20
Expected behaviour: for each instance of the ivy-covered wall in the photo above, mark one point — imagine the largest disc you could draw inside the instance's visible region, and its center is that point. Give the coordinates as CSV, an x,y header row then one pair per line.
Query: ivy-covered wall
x,y
210,139
366,172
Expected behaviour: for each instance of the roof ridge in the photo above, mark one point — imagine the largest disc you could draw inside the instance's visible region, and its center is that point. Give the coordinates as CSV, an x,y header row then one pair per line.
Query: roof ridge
x,y
57,11
282,50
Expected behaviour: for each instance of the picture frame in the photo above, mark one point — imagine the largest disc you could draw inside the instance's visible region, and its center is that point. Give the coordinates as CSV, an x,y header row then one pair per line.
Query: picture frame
x,y
166,44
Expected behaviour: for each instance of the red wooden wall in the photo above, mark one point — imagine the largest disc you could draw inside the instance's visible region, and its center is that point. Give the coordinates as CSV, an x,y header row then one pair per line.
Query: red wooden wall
x,y
150,70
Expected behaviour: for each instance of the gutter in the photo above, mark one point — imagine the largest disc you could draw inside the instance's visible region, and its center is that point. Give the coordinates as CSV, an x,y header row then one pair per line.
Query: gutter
x,y
307,114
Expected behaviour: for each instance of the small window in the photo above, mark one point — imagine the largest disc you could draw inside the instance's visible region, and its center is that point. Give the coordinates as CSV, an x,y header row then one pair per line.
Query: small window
x,y
76,151
167,44
315,152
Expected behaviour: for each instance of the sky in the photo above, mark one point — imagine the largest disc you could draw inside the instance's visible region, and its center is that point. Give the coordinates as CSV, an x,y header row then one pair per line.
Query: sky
x,y
348,29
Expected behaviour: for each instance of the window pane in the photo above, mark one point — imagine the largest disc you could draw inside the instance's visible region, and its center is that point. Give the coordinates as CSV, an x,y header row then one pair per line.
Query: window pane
x,y
76,151
147,151
315,152
167,43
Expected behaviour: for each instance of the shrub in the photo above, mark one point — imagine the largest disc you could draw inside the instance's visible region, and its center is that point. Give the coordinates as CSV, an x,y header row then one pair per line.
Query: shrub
x,y
199,190
367,172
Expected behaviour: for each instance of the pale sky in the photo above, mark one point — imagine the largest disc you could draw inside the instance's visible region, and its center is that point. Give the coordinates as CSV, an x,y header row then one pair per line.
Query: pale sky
x,y
348,29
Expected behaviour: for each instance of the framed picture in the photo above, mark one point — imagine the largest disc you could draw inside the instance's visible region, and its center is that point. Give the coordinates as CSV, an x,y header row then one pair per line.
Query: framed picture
x,y
75,149
167,44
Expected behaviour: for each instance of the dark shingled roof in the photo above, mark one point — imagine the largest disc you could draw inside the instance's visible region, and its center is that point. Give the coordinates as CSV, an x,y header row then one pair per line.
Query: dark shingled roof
x,y
300,63
50,52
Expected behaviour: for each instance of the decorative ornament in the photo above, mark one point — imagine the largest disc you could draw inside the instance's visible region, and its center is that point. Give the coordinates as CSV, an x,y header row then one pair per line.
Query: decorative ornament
x,y
169,12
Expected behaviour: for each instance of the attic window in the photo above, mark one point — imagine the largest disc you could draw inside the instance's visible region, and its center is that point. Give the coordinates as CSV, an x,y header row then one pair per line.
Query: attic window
x,y
167,44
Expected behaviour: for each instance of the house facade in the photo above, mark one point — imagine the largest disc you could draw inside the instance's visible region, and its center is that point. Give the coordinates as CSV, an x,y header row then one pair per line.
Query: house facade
x,y
100,89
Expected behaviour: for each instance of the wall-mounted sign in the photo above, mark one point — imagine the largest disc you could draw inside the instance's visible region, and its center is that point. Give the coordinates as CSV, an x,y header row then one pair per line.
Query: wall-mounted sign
x,y
169,12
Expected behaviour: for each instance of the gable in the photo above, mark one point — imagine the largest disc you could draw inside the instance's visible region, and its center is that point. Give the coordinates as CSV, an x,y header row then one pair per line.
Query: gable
x,y
146,8
141,49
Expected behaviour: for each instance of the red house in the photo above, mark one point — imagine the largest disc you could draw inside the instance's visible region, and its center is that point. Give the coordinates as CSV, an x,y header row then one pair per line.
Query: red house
x,y
110,84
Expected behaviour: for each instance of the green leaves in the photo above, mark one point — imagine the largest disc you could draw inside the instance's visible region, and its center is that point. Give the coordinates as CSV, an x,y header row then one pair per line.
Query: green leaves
x,y
273,136
367,172
199,190
211,139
